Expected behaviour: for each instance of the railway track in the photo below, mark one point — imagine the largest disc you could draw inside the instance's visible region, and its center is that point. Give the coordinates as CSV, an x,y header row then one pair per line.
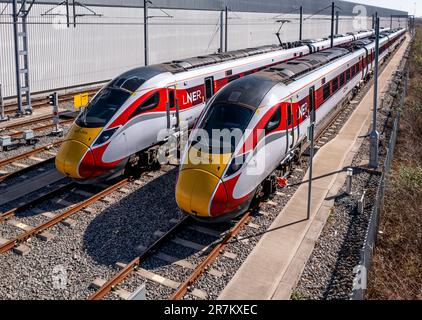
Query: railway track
x,y
10,109
18,134
54,219
213,251
29,122
23,168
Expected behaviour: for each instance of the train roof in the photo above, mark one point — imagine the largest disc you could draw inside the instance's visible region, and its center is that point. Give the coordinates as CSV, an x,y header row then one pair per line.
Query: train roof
x,y
288,71
177,66
131,80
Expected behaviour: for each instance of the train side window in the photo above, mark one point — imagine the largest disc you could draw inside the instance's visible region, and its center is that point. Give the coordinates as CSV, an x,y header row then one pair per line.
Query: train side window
x,y
274,122
335,85
347,75
148,104
209,87
326,91
341,80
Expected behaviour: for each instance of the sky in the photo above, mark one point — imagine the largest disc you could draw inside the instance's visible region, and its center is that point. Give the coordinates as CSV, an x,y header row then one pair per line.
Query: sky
x,y
405,5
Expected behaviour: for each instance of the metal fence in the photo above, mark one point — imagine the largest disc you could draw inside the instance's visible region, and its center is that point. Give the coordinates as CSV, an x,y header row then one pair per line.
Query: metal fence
x,y
366,253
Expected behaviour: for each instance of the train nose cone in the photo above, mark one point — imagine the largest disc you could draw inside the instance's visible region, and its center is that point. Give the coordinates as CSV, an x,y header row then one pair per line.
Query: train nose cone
x,y
195,192
71,155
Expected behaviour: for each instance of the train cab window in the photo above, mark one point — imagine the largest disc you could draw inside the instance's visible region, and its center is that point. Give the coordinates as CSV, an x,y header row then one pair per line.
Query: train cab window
x,y
103,107
225,116
326,91
335,85
274,122
209,87
148,104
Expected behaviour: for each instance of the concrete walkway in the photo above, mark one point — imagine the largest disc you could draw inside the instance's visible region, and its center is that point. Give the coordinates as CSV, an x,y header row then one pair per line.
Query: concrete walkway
x,y
274,266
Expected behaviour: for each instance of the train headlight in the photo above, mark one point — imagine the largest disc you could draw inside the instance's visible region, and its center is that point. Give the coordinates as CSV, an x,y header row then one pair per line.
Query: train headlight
x,y
105,136
236,164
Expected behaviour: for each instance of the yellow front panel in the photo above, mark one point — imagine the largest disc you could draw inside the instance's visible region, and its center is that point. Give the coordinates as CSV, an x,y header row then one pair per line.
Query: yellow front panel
x,y
72,150
194,191
83,135
69,157
213,163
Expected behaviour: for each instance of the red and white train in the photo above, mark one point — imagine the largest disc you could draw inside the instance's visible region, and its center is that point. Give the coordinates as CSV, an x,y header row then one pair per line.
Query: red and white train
x,y
272,109
117,129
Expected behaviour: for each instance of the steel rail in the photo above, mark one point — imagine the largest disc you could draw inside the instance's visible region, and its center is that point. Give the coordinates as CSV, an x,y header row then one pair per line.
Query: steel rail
x,y
73,209
42,102
31,121
215,252
41,128
119,277
24,170
8,214
29,153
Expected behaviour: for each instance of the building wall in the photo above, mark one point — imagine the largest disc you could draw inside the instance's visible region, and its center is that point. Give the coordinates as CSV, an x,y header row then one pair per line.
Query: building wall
x,y
100,48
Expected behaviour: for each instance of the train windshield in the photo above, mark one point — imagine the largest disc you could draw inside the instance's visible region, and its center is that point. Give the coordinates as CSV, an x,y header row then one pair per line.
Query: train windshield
x,y
223,116
102,108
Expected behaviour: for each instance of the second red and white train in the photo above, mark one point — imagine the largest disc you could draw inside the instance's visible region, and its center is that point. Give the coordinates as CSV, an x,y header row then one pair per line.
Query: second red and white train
x,y
271,108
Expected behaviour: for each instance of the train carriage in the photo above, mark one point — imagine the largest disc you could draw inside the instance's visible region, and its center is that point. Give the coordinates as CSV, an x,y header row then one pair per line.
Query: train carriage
x,y
218,179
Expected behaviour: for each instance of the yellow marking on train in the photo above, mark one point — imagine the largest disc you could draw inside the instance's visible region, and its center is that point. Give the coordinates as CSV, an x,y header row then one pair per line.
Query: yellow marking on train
x,y
194,191
73,149
83,135
213,163
69,157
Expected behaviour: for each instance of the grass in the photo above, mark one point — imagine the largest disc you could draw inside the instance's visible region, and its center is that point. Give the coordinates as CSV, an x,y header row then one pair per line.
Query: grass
x,y
396,271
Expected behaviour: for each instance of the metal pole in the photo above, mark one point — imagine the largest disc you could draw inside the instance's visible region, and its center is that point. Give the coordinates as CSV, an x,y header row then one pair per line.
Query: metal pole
x,y
17,71
28,107
337,20
311,147
67,14
74,13
332,24
301,23
374,137
391,21
221,31
146,32
2,116
226,29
